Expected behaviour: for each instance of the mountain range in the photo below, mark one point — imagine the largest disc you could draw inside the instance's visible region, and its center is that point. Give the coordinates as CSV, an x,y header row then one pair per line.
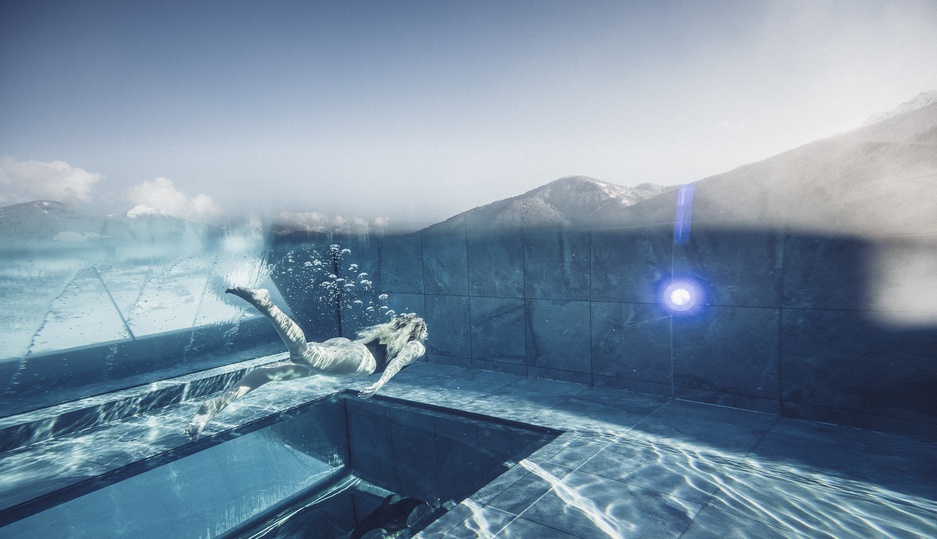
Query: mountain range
x,y
879,179
48,225
576,201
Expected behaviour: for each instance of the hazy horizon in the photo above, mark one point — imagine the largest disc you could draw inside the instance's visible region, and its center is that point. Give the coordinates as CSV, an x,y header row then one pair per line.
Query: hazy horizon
x,y
418,111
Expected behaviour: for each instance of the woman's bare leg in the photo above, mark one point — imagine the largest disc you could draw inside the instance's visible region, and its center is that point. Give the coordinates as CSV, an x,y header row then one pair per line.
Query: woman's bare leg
x,y
250,382
289,330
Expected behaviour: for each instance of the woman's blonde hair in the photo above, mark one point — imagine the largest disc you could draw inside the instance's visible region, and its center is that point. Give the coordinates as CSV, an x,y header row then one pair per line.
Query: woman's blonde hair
x,y
396,333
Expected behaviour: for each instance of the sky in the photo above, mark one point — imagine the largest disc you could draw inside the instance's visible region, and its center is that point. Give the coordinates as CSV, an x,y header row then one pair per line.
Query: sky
x,y
417,111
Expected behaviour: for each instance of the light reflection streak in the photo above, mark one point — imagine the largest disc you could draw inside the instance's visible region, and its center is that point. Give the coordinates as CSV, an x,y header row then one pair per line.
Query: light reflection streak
x,y
572,498
788,497
477,523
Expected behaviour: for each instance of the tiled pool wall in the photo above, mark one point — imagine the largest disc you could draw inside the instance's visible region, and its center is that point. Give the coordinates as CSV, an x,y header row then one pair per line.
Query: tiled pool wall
x,y
790,325
827,327
430,454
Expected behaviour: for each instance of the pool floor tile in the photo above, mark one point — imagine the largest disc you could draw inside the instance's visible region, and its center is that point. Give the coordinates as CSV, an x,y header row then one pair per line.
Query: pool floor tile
x,y
711,523
529,489
585,505
797,500
717,427
680,474
483,522
521,528
899,463
550,387
626,400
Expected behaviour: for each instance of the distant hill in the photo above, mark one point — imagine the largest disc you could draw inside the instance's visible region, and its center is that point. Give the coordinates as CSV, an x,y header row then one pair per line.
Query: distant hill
x,y
47,220
571,201
51,225
879,179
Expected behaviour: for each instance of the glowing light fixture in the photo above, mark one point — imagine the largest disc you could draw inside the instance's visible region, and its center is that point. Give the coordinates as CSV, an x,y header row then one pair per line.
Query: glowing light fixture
x,y
682,296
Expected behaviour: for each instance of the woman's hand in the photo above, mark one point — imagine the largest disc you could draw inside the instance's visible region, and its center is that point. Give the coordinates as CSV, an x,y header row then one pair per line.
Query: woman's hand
x,y
367,392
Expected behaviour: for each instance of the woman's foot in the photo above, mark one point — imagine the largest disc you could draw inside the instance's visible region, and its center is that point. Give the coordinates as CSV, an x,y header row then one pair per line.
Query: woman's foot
x,y
195,428
206,411
259,297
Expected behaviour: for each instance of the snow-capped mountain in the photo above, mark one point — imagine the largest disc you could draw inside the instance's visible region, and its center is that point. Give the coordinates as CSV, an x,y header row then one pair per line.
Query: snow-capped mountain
x,y
920,101
879,179
569,201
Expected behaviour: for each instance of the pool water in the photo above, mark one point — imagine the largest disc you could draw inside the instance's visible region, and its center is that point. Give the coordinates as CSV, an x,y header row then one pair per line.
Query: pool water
x,y
376,448
625,465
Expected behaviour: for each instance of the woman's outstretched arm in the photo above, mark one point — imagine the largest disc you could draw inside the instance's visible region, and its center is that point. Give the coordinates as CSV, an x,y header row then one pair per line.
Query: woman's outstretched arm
x,y
412,351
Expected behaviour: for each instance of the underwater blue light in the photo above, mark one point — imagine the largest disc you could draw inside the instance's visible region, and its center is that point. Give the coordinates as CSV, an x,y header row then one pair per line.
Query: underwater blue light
x,y
682,296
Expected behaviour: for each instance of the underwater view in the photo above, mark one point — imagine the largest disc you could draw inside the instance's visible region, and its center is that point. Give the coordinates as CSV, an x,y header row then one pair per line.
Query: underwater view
x,y
731,334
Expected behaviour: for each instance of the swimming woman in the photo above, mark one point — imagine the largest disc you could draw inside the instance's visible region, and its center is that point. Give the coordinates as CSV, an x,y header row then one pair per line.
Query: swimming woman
x,y
384,348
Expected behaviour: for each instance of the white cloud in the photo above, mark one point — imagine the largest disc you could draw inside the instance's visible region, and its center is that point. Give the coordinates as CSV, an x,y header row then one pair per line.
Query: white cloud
x,y
23,181
160,197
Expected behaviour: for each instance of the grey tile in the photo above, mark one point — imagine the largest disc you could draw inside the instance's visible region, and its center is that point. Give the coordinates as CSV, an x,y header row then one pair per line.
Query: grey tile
x,y
496,264
464,469
740,267
370,440
825,272
443,371
817,504
898,463
561,442
496,379
526,491
563,375
578,453
445,262
484,522
860,420
402,263
498,329
619,460
495,488
555,335
475,387
521,528
731,350
631,340
583,415
412,450
553,387
676,472
637,403
862,366
589,506
448,318
518,369
628,265
714,524
406,303
731,400
557,264
533,401
636,386
441,526
708,426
